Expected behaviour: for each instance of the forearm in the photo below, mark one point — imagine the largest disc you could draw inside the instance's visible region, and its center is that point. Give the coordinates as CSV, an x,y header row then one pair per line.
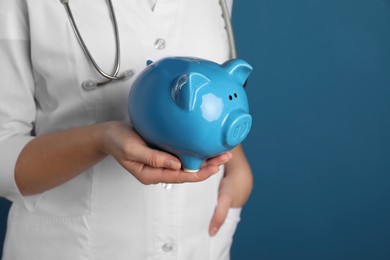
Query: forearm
x,y
234,189
239,175
52,159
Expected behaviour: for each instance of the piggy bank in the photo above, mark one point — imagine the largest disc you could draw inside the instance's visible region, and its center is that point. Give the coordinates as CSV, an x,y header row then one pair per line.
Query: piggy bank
x,y
193,108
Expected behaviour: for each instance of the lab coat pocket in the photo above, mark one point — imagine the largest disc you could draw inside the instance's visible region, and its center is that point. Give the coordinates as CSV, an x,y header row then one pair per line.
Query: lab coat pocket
x,y
38,238
222,241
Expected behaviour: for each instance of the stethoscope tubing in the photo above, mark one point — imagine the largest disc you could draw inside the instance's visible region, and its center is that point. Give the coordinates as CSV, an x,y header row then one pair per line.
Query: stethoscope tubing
x,y
91,84
229,28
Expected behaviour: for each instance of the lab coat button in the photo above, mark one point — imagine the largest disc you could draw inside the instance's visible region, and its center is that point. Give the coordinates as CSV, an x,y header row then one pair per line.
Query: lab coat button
x,y
159,44
167,247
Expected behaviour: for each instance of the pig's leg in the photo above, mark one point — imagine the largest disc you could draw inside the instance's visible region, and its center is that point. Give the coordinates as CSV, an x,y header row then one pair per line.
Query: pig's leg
x,y
190,164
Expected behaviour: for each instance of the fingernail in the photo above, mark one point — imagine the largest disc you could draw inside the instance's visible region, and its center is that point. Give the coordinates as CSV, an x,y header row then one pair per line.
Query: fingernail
x,y
213,231
228,157
174,165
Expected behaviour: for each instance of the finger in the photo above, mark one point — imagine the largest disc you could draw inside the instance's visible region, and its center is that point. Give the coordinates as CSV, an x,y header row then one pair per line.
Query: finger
x,y
181,176
203,174
220,214
151,175
220,159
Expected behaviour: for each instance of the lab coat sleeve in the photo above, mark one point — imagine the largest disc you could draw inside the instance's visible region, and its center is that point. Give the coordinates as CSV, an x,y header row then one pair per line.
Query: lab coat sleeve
x,y
17,106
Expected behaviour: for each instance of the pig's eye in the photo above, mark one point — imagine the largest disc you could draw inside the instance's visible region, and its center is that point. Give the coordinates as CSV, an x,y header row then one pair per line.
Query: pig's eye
x,y
235,95
230,97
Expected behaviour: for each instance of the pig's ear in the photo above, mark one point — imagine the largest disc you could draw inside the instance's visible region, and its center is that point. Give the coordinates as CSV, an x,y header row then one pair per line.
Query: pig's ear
x,y
238,69
185,87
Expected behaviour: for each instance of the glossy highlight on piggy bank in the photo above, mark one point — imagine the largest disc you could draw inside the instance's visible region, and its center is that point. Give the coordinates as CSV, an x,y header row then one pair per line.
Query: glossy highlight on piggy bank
x,y
193,108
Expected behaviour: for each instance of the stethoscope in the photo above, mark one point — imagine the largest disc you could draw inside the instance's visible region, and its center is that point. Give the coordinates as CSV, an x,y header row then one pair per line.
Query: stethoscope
x,y
115,75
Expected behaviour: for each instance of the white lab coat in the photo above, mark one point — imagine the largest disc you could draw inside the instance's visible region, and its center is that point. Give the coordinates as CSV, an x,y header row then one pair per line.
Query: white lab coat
x,y
104,213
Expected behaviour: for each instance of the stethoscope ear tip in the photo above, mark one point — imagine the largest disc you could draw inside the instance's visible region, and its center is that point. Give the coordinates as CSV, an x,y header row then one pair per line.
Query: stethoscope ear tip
x,y
89,85
127,74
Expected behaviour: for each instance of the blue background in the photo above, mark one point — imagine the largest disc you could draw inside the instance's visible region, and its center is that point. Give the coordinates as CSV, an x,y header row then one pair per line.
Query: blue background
x,y
320,143
319,146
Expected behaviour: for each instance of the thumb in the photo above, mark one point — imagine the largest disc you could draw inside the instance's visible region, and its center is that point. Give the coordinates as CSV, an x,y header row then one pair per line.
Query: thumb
x,y
154,158
220,214
158,159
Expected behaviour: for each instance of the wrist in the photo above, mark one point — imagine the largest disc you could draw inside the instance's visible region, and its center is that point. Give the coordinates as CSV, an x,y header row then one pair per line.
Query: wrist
x,y
102,134
239,178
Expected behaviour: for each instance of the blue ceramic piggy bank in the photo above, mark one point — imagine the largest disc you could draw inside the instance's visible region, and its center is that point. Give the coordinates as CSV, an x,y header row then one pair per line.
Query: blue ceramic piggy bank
x,y
192,108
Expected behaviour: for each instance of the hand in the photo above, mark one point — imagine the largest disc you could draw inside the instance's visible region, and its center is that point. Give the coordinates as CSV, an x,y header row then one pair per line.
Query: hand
x,y
150,166
234,189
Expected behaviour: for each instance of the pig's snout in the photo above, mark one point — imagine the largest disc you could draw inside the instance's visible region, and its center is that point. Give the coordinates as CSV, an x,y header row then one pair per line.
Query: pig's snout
x,y
236,128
